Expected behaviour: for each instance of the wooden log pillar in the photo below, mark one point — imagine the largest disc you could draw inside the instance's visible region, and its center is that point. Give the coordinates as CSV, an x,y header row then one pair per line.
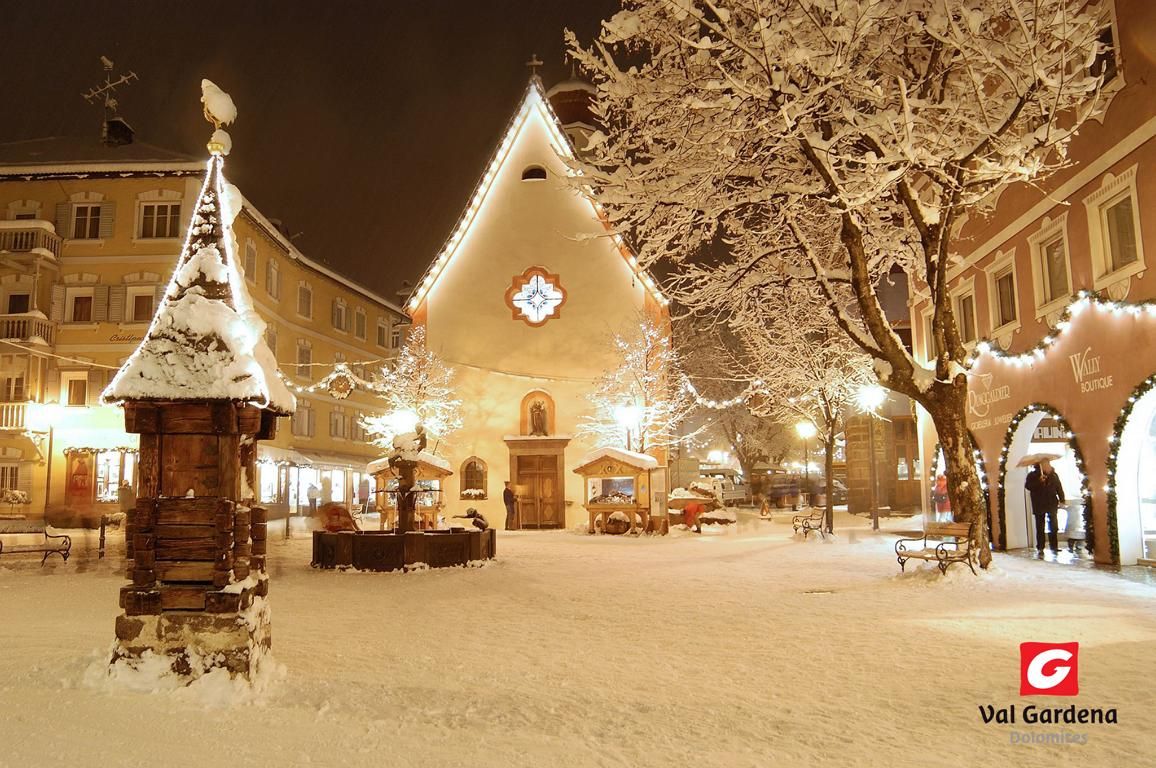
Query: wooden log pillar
x,y
198,580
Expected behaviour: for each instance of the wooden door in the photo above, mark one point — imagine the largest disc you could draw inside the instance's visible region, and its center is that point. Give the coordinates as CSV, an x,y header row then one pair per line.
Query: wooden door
x,y
540,500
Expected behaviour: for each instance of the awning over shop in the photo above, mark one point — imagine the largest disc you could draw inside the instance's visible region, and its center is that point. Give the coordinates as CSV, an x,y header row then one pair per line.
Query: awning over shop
x,y
275,454
337,460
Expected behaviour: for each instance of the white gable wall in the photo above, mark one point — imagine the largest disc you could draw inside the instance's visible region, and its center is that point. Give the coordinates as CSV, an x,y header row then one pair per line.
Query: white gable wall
x,y
521,224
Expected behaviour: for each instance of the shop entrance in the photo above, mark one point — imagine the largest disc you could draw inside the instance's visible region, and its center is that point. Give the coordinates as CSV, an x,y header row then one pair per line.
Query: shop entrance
x,y
1044,432
1135,483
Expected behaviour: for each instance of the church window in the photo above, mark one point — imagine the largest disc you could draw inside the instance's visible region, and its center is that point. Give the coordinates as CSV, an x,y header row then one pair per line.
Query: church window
x,y
534,173
535,296
473,478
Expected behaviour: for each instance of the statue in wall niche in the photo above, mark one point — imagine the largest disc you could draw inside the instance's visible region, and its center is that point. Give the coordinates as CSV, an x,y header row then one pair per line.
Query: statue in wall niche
x,y
538,419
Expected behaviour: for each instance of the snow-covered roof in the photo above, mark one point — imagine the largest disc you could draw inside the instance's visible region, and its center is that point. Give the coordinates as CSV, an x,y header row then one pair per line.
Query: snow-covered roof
x,y
534,104
68,156
639,460
205,342
425,457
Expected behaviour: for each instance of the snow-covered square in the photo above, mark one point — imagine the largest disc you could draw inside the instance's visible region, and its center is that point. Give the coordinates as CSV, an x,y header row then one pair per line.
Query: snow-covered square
x,y
743,646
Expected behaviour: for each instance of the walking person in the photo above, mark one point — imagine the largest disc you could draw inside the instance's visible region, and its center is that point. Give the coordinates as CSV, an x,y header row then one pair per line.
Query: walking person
x,y
313,494
510,499
1044,486
363,494
941,500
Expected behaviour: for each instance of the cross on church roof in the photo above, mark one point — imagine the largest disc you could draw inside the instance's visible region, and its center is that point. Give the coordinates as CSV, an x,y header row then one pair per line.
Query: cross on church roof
x,y
533,64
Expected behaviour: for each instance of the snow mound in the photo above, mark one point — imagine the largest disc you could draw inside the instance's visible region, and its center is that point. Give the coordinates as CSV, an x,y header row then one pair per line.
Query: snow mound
x,y
218,104
153,674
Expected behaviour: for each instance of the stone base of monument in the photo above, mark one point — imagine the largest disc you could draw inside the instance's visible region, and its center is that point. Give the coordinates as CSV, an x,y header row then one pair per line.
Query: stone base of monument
x,y
232,632
393,551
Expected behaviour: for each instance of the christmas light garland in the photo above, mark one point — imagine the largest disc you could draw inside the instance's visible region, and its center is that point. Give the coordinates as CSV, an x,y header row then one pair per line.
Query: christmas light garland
x,y
721,405
1084,300
1085,487
1114,441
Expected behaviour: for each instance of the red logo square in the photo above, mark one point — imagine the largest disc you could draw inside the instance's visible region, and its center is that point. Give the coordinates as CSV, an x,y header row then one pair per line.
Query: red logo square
x,y
1049,669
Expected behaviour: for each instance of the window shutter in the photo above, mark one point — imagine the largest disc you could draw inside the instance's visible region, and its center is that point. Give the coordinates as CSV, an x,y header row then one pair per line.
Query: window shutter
x,y
95,385
107,219
24,477
312,423
160,294
100,304
64,219
116,297
58,303
52,384
333,314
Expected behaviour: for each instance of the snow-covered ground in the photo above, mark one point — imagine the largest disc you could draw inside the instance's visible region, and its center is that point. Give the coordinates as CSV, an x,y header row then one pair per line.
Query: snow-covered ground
x,y
740,647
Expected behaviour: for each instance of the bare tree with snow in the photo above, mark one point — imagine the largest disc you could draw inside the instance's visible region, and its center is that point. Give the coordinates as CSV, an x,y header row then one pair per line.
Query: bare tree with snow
x,y
416,388
642,403
808,369
830,141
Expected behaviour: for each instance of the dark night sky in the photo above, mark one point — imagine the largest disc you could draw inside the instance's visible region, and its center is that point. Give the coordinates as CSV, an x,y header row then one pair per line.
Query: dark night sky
x,y
363,125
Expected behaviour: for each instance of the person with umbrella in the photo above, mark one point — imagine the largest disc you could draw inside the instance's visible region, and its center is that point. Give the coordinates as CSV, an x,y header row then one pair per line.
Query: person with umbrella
x,y
1044,486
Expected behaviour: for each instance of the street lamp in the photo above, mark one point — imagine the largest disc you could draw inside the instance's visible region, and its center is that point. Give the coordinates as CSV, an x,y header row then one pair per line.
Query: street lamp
x,y
870,398
628,415
806,431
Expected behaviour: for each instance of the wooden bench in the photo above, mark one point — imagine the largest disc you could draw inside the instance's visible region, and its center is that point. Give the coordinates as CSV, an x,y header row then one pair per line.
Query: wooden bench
x,y
956,545
810,521
58,544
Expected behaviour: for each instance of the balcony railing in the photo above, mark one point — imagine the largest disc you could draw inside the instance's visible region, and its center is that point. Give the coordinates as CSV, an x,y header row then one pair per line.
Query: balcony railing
x,y
29,235
27,327
12,415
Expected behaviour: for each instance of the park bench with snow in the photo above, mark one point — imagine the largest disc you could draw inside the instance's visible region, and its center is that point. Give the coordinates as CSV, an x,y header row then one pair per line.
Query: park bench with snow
x,y
812,520
955,545
58,544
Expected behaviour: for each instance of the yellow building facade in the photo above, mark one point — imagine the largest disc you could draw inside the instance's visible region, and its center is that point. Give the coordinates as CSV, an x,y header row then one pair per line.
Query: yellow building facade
x,y
89,236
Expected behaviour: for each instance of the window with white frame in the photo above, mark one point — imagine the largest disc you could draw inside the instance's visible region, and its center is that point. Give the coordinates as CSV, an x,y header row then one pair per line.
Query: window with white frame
x,y
965,316
395,338
303,420
359,323
18,303
338,423
1051,266
304,300
86,221
340,315
250,260
1114,229
74,388
139,304
12,388
1003,299
159,221
10,477
78,305
356,431
304,359
272,279
382,333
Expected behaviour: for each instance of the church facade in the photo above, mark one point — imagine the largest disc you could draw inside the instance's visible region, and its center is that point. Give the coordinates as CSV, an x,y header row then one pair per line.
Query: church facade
x,y
522,302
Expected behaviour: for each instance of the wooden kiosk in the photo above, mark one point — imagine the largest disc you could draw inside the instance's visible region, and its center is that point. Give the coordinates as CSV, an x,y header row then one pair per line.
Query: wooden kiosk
x,y
616,487
431,473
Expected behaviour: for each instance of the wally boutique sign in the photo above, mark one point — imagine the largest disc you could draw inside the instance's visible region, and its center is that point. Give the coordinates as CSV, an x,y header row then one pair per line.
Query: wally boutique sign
x,y
1088,372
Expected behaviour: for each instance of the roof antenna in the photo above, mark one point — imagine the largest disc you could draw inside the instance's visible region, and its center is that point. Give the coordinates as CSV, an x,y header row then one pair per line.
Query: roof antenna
x,y
115,131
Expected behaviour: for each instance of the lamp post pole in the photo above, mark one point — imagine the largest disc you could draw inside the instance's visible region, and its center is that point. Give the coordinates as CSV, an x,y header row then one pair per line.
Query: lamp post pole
x,y
874,471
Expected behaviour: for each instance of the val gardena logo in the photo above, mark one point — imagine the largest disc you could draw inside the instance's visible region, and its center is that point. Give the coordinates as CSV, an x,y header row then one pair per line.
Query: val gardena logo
x,y
1048,669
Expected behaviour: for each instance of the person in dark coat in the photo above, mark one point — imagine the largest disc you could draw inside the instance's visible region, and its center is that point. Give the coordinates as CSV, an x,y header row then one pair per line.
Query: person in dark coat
x,y
1044,486
509,498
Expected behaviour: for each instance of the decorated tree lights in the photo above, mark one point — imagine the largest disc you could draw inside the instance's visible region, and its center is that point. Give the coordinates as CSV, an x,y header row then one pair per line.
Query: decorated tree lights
x,y
200,390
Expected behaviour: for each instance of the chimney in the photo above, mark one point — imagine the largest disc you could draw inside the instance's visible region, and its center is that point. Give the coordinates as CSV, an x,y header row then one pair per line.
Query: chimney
x,y
116,132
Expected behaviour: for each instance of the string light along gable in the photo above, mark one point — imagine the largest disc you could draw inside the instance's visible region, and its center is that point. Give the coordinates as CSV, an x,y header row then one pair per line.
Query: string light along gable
x,y
534,106
536,296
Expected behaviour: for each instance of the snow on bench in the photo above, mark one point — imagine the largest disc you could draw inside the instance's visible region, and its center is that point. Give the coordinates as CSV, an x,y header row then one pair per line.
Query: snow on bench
x,y
58,544
811,520
955,546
